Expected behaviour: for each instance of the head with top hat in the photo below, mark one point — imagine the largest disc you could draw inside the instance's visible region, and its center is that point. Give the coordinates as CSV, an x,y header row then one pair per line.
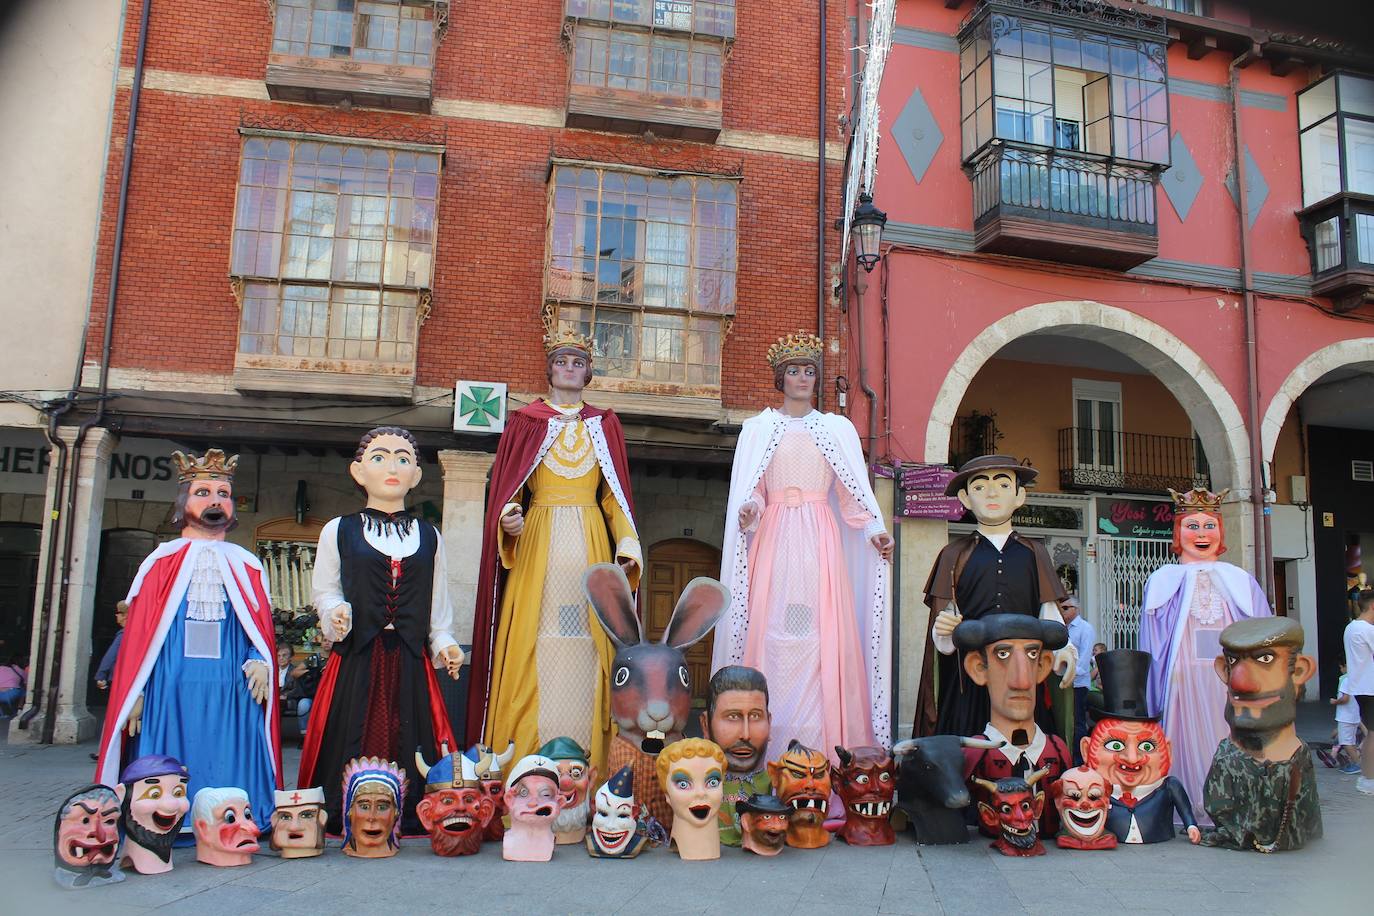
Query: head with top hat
x,y
1127,745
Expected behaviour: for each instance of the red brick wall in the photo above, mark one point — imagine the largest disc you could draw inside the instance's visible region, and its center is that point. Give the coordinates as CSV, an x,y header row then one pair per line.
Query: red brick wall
x,y
491,236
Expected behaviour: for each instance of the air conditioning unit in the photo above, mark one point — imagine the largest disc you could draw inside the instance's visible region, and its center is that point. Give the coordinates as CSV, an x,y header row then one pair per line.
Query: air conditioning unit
x,y
1362,470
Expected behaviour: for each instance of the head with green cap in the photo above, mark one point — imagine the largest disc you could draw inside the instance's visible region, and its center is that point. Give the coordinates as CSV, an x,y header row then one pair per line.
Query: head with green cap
x,y
576,776
1263,667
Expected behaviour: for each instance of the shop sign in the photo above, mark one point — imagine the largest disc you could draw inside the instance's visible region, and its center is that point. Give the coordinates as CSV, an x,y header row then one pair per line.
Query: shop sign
x,y
139,468
923,493
1135,518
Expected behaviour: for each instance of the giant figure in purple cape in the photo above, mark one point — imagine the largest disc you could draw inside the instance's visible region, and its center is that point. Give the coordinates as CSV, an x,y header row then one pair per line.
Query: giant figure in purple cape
x,y
1187,605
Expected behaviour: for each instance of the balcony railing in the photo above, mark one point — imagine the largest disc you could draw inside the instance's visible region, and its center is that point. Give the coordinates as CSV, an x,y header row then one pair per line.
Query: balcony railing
x,y
1340,237
1036,201
1095,459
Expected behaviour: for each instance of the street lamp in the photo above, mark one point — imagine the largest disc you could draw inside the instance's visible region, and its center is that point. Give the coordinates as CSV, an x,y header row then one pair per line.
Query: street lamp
x,y
868,225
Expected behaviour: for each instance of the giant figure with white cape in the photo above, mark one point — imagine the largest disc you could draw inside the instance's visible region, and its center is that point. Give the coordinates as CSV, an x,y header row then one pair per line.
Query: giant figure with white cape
x,y
806,560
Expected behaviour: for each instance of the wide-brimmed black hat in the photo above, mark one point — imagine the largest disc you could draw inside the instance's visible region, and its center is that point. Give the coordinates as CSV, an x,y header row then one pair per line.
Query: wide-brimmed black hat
x,y
1025,474
972,635
1125,674
762,804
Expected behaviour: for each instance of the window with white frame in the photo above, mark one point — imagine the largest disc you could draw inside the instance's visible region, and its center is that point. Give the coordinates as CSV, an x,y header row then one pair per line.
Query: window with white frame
x,y
645,263
1336,137
1097,424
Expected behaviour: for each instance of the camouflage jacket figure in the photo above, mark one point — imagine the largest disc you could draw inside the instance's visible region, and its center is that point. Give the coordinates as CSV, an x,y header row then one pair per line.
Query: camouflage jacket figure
x,y
1264,806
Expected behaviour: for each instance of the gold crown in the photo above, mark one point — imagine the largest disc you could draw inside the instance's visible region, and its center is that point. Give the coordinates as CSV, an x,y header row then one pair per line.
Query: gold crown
x,y
1198,499
566,339
214,465
800,345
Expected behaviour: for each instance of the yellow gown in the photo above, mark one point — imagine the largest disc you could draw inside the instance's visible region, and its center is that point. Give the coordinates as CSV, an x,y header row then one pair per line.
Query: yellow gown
x,y
551,661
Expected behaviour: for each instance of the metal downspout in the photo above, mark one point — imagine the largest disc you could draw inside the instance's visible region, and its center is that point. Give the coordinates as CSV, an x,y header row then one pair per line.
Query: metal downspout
x,y
1264,558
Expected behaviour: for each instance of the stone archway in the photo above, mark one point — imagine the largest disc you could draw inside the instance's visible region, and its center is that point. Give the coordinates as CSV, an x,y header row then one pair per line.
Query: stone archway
x,y
1204,398
1344,354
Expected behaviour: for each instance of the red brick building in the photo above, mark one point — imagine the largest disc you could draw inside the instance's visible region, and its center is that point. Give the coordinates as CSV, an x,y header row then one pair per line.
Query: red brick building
x,y
337,209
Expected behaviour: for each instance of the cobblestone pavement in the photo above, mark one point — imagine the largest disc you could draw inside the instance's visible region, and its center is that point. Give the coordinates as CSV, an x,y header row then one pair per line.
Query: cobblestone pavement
x,y
1174,877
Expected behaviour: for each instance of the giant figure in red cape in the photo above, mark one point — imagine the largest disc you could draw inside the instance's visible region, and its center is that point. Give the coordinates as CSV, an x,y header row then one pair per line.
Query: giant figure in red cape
x,y
194,679
559,502
380,586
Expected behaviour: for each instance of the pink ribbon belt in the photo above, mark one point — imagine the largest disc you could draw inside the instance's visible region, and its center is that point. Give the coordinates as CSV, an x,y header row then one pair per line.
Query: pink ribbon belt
x,y
793,497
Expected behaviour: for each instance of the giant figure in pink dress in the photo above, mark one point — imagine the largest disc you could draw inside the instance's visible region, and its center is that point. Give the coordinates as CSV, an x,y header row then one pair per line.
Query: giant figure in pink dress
x,y
1187,605
806,561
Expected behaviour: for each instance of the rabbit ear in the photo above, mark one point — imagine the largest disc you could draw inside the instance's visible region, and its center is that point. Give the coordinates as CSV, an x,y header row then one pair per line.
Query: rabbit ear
x,y
609,592
702,603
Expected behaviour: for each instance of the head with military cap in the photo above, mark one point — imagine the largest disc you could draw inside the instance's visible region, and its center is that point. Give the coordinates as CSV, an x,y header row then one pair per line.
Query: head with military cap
x,y
1263,667
1010,654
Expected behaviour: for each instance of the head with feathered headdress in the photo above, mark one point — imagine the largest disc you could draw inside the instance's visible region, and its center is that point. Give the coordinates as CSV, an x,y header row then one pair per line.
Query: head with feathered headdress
x,y
380,787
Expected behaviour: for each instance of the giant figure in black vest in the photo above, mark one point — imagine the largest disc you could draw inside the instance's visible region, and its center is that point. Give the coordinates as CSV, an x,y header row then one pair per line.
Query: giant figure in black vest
x,y
381,589
993,570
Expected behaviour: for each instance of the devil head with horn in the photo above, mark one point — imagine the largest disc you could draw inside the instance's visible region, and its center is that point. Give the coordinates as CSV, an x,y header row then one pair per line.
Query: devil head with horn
x,y
1013,813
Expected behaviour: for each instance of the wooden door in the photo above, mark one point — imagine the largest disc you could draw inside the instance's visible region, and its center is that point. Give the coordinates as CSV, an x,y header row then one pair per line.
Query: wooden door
x,y
671,565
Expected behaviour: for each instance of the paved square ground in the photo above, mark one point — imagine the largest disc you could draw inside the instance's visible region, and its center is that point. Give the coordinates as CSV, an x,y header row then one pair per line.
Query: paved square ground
x,y
1332,876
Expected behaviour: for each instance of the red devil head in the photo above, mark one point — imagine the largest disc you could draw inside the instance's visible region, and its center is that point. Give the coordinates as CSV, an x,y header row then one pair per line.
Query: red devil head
x,y
1013,813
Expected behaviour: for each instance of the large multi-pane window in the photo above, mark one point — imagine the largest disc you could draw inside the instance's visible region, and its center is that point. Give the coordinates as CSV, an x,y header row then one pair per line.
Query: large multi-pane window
x,y
334,245
1065,87
1336,124
645,264
705,17
376,31
664,47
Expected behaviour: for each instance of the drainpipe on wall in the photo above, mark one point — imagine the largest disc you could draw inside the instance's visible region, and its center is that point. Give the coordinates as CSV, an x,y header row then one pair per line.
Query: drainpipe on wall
x,y
74,463
820,201
1264,554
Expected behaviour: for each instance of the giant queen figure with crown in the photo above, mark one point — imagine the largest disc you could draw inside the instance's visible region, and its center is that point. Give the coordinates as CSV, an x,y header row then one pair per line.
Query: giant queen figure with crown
x,y
559,502
806,561
1187,605
194,677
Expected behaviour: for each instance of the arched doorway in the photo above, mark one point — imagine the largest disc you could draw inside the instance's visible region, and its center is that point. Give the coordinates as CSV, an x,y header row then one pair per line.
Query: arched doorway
x,y
1112,410
122,551
1318,441
671,565
19,545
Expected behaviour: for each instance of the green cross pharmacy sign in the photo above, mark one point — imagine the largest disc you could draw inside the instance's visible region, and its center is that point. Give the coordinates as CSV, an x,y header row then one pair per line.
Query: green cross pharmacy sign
x,y
479,407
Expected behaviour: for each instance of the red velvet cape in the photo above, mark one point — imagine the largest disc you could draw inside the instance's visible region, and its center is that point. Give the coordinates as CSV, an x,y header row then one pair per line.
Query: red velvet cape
x,y
146,611
515,457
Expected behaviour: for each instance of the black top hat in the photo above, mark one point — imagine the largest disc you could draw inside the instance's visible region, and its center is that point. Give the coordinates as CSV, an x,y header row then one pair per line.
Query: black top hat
x,y
1125,673
762,804
972,635
1025,474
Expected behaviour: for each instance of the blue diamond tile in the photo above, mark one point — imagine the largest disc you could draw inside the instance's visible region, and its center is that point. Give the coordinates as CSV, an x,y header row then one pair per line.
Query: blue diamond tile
x,y
917,135
1183,180
1257,190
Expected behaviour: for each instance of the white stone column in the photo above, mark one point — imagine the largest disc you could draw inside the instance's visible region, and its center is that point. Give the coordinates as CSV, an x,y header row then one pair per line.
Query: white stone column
x,y
74,723
921,542
465,490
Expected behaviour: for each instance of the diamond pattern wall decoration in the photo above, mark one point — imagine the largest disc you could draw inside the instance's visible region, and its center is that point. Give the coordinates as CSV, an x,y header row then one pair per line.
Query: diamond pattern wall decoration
x,y
1183,180
1257,191
917,135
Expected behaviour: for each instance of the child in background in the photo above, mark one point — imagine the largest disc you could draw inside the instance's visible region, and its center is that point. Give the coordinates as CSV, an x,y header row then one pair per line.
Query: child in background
x,y
1347,748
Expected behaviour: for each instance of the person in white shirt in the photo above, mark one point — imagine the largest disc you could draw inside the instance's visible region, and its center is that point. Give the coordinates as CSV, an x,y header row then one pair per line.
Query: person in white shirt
x,y
1082,636
1347,728
1359,661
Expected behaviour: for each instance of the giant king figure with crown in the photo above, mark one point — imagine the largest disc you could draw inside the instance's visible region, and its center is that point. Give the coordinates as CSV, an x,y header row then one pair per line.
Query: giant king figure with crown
x,y
806,561
559,502
1187,605
194,679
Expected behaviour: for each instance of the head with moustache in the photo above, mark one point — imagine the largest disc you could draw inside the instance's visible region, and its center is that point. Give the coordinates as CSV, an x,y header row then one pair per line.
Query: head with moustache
x,y
204,505
1263,668
154,803
737,717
